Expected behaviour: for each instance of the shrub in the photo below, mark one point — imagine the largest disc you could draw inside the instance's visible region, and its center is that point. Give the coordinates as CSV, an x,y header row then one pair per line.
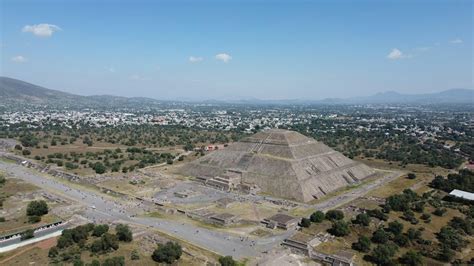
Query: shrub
x,y
362,244
412,258
376,213
134,255
439,211
114,261
53,252
451,238
411,176
227,261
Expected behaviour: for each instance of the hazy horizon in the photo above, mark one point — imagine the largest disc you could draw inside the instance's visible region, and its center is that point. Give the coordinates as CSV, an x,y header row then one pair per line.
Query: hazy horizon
x,y
238,49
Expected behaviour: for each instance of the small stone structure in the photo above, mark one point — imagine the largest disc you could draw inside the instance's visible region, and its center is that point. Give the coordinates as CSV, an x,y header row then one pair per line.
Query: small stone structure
x,y
282,221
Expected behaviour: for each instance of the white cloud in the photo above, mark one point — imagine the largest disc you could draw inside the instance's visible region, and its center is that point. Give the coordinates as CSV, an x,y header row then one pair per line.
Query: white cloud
x,y
396,54
456,41
223,57
111,69
41,30
19,59
195,59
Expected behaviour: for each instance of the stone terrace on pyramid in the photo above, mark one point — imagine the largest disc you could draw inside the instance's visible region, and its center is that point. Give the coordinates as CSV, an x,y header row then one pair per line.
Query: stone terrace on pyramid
x,y
281,163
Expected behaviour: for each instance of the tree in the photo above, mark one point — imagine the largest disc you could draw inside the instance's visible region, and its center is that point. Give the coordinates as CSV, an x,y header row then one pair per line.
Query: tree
x,y
413,234
109,242
227,261
100,229
38,208
305,222
339,228
27,234
362,219
412,258
380,236
99,168
334,215
362,244
123,233
317,217
401,240
26,152
395,227
169,252
382,254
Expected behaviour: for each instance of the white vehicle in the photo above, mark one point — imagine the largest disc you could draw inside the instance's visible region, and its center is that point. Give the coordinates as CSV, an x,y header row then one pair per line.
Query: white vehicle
x,y
93,207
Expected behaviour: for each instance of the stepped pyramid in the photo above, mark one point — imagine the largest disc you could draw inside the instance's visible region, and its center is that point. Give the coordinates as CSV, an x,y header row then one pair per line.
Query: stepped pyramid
x,y
282,163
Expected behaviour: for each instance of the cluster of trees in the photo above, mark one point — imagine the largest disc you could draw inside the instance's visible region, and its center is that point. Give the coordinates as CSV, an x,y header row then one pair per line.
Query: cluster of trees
x,y
107,160
463,180
339,226
35,210
129,135
386,143
75,240
389,239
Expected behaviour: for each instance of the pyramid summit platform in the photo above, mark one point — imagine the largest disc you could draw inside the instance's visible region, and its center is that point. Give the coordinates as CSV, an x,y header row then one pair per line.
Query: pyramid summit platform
x,y
281,163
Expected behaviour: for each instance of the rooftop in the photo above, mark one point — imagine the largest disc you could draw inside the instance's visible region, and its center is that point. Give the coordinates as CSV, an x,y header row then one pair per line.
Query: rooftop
x,y
281,218
462,194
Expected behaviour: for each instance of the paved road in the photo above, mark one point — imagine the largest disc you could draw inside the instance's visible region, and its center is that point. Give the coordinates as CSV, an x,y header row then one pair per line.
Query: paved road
x,y
102,208
355,193
37,234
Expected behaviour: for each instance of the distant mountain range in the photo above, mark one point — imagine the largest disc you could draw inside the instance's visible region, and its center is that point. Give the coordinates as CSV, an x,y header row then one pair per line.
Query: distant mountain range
x,y
13,91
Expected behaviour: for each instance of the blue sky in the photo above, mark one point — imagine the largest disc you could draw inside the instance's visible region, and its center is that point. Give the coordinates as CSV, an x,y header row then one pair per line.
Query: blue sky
x,y
238,49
